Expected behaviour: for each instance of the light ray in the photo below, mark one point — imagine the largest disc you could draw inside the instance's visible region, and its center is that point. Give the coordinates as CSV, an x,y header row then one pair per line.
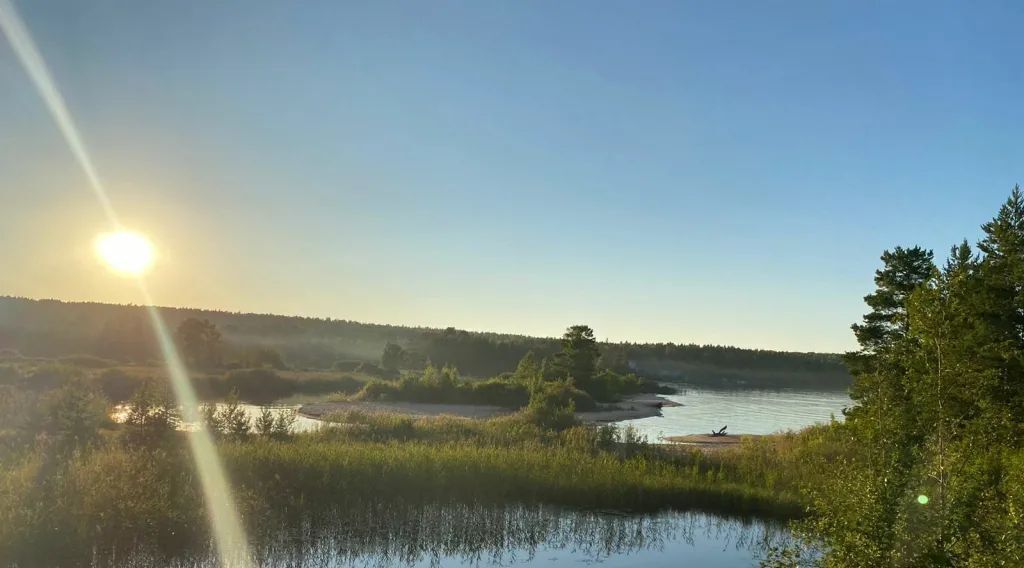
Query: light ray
x,y
228,533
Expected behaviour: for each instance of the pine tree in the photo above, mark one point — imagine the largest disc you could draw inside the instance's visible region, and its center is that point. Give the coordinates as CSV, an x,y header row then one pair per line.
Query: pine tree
x,y
579,355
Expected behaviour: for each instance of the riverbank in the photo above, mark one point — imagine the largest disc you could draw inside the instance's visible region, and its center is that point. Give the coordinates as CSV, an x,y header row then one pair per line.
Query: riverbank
x,y
707,442
630,408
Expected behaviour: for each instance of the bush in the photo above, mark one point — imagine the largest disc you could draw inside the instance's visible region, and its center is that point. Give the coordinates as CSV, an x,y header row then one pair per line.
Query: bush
x,y
152,415
258,385
116,384
552,406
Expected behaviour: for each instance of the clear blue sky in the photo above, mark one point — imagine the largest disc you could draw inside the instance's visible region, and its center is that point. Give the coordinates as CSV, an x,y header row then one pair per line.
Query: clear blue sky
x,y
711,172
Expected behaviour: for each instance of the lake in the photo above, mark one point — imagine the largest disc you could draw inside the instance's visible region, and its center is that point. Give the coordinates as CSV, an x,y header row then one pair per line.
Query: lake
x,y
450,536
746,411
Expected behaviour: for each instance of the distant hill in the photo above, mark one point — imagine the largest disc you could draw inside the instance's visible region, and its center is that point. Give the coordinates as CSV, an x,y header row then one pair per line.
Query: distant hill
x,y
53,328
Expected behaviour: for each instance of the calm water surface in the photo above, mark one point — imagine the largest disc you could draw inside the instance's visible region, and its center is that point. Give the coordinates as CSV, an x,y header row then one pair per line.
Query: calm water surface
x,y
744,411
464,536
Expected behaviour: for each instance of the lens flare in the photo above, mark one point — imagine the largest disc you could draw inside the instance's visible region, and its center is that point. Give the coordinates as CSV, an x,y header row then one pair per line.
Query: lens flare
x,y
133,253
125,252
922,499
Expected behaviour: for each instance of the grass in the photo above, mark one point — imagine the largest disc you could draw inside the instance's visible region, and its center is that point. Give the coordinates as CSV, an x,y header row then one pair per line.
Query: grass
x,y
112,490
115,496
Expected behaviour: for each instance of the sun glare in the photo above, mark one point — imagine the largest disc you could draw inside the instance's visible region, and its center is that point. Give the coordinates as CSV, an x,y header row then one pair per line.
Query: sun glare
x,y
125,252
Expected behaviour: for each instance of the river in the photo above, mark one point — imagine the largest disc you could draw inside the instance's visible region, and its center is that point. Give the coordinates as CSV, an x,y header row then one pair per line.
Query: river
x,y
746,411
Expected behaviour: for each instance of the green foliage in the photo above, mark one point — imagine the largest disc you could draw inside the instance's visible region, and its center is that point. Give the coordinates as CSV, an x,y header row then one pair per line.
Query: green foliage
x,y
127,496
393,358
940,413
51,328
229,420
528,372
258,385
903,271
116,385
579,355
553,405
72,416
260,357
444,385
200,343
277,426
152,416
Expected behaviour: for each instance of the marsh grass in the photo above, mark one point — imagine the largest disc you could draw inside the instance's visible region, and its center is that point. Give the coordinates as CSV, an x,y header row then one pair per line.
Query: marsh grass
x,y
116,496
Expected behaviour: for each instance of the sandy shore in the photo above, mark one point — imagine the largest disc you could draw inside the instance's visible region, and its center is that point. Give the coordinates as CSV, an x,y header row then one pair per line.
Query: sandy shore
x,y
708,442
418,409
630,408
639,406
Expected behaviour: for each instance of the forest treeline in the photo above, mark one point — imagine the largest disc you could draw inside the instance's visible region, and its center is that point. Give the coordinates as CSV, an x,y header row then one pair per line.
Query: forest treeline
x,y
52,328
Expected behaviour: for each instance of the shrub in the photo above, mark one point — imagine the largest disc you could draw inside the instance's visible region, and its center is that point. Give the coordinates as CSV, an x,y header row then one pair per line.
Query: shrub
x,y
552,406
152,415
116,384
258,385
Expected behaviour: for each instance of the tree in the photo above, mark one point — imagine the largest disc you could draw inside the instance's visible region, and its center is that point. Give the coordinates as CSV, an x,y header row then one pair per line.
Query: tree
x,y
234,422
393,357
259,357
528,371
883,420
552,406
126,336
200,342
579,355
229,420
1002,298
270,426
939,388
72,416
903,270
152,416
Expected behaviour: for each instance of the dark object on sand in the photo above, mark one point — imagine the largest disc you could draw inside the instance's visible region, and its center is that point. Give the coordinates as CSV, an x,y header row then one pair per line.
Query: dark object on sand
x,y
719,432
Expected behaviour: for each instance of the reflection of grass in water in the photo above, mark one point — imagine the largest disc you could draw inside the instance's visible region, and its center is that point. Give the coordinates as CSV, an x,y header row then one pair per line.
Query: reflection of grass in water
x,y
116,498
388,534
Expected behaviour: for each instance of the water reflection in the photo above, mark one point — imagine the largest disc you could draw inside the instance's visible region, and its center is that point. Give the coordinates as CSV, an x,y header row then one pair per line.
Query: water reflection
x,y
746,411
449,536
252,411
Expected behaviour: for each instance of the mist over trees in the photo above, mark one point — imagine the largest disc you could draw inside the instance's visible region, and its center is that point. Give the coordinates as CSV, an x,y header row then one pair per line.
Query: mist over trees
x,y
53,329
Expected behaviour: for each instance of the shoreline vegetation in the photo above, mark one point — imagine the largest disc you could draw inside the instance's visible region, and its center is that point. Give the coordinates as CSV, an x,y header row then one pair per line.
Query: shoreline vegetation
x,y
629,408
68,469
121,335
926,469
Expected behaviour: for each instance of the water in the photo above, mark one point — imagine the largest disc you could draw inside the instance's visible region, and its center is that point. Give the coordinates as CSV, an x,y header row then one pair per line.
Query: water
x,y
302,423
745,411
450,536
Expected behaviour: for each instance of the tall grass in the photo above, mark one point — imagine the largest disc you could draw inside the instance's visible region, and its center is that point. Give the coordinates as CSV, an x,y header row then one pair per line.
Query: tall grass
x,y
119,495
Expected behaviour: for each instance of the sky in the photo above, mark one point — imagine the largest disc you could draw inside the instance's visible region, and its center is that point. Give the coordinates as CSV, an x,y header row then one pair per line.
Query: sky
x,y
706,172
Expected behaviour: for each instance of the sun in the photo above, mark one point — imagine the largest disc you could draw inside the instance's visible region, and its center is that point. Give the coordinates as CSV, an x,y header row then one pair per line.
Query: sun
x,y
126,252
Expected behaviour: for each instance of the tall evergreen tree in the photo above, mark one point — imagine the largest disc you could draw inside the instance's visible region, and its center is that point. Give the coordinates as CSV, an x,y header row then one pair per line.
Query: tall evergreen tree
x,y
903,270
1002,297
579,355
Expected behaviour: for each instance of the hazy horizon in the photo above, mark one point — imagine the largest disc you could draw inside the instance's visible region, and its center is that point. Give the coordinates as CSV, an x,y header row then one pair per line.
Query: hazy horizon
x,y
693,173
557,335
